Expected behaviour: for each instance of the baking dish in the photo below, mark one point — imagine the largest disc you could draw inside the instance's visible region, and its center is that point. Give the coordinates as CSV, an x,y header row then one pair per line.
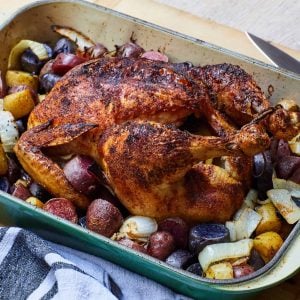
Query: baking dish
x,y
112,28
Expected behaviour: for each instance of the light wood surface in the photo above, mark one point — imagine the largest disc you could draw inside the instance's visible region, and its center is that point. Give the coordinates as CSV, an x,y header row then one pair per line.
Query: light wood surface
x,y
203,29
276,20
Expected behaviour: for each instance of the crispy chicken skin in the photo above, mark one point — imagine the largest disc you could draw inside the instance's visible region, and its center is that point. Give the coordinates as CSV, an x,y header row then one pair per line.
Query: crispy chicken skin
x,y
154,169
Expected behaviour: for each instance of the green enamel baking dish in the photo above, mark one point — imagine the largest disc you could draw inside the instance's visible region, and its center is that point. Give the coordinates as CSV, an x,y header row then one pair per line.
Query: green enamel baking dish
x,y
113,28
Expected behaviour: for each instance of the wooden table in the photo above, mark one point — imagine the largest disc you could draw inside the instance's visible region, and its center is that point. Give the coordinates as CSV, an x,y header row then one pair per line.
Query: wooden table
x,y
203,29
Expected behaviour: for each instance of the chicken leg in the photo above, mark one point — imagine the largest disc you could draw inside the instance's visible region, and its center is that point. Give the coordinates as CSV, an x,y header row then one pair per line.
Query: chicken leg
x,y
150,167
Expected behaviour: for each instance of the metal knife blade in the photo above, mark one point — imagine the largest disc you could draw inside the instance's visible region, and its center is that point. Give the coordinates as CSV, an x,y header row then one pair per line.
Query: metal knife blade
x,y
275,55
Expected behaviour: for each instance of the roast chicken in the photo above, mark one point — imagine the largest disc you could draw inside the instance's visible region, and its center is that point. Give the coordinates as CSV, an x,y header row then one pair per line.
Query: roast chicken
x,y
126,113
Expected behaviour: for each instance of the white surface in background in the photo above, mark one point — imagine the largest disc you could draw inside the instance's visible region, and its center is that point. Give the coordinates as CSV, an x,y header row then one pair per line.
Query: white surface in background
x,y
272,20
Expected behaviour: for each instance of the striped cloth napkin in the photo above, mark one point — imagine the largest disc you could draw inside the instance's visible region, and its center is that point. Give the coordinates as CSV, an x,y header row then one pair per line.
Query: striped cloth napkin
x,y
32,268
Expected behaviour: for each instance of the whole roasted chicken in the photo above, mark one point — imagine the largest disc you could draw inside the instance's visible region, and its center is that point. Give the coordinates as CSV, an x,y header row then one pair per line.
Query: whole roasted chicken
x,y
125,113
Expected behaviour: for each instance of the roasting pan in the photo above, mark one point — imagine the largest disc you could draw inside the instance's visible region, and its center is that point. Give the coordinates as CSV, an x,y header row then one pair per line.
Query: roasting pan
x,y
113,28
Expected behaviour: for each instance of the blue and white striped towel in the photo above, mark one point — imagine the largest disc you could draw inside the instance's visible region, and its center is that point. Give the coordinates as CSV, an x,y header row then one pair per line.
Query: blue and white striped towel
x,y
32,268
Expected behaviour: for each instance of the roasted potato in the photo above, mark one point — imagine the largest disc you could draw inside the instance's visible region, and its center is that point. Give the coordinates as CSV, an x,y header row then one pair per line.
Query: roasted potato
x,y
20,104
267,244
14,78
222,270
269,221
3,161
35,202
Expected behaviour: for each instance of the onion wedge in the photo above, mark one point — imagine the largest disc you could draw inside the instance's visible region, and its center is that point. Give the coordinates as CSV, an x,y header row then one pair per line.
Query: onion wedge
x,y
294,144
282,200
247,223
224,251
291,186
8,131
14,57
82,41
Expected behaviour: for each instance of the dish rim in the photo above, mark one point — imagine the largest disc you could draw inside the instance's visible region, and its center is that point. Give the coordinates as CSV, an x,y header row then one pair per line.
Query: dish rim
x,y
201,43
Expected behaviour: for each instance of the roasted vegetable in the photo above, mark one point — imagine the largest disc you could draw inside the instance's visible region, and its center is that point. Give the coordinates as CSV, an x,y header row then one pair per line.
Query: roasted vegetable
x,y
77,171
224,251
222,270
35,201
155,55
8,131
287,166
39,49
65,62
39,192
30,62
249,202
295,144
232,230
20,104
3,87
20,190
63,208
22,87
255,260
202,235
129,49
133,245
291,186
3,161
295,177
282,200
138,227
82,41
269,221
180,259
48,80
178,228
246,224
4,184
262,173
195,269
103,217
242,270
64,45
267,244
161,244
250,198
97,51
15,78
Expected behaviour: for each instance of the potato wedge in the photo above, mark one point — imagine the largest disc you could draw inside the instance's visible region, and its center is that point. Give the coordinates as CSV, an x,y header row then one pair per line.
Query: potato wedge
x,y
20,104
269,221
222,270
267,244
35,202
14,78
3,161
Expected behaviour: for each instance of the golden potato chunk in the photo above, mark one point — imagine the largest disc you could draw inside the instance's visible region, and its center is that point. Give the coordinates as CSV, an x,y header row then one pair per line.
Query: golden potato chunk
x,y
3,161
20,104
269,221
14,78
222,270
35,201
267,244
